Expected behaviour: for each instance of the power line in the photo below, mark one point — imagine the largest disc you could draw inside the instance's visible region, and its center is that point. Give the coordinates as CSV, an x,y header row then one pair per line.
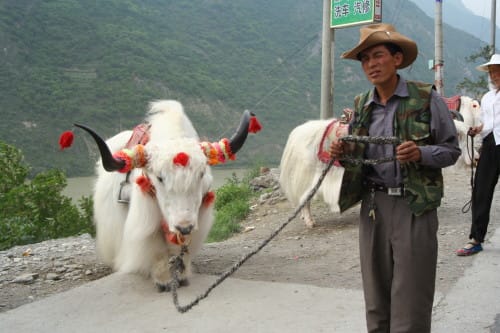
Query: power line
x,y
293,54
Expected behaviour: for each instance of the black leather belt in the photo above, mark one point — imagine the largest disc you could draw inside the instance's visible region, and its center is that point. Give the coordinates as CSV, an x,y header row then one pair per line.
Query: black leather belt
x,y
393,191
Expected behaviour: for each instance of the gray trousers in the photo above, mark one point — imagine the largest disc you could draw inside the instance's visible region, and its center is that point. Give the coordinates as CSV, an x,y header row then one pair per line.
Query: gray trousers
x,y
398,254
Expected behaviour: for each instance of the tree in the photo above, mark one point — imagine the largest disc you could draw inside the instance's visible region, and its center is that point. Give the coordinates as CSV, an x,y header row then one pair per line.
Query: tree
x,y
479,87
35,210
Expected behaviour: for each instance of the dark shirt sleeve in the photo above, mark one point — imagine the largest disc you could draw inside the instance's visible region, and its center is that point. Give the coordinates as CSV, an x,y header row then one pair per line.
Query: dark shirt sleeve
x,y
445,149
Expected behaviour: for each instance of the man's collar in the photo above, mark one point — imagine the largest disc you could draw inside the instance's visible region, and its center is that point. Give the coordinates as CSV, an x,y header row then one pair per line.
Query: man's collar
x,y
401,91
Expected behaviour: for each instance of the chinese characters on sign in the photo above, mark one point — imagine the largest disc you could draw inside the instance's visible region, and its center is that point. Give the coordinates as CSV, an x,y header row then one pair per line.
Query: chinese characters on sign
x,y
346,13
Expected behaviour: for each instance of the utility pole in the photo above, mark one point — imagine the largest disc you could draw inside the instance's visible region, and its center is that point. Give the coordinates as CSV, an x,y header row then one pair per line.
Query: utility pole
x,y
493,24
438,47
326,108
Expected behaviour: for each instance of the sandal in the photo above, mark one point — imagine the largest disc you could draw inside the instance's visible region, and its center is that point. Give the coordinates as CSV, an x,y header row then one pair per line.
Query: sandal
x,y
467,251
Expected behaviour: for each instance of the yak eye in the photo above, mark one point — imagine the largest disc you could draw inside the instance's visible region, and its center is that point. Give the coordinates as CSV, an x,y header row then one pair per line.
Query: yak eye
x,y
160,179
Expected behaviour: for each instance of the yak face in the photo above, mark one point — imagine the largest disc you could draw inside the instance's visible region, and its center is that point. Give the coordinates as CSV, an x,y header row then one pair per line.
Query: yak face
x,y
181,178
470,111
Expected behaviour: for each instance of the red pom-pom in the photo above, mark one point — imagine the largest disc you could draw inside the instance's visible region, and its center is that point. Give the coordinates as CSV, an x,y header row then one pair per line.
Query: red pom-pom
x,y
208,199
122,155
254,125
181,159
66,139
144,184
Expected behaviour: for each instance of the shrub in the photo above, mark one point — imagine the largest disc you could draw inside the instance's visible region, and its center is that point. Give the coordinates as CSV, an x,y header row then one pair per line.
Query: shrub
x,y
34,211
232,205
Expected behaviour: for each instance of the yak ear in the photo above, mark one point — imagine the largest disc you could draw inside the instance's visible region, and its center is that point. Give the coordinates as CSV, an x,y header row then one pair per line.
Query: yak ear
x,y
109,162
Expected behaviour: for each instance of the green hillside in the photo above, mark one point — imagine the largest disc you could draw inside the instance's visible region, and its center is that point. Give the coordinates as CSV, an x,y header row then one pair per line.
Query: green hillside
x,y
101,62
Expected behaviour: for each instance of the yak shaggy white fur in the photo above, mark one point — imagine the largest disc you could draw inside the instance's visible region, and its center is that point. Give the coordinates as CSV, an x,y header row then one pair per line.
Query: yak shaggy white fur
x,y
129,236
300,167
470,110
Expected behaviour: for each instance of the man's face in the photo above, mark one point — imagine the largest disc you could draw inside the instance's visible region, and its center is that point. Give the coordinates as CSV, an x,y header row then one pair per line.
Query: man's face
x,y
379,65
494,71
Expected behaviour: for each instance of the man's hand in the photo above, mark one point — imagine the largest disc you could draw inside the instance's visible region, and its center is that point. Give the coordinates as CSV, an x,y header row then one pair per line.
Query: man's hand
x,y
475,130
337,149
408,151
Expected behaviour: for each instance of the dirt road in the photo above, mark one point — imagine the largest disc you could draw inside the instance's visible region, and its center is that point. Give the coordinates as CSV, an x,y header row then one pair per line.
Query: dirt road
x,y
328,254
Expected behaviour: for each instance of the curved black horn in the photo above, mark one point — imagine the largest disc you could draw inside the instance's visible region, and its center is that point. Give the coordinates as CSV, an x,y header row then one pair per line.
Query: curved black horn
x,y
239,137
457,115
108,161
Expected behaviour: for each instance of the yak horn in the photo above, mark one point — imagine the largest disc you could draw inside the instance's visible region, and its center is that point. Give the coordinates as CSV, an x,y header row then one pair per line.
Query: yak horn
x,y
239,137
108,161
457,115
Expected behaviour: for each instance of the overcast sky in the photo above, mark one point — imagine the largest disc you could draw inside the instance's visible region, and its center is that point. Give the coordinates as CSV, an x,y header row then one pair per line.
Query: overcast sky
x,y
480,7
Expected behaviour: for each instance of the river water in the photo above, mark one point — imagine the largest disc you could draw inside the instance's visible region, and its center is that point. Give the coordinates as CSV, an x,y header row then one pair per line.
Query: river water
x,y
82,186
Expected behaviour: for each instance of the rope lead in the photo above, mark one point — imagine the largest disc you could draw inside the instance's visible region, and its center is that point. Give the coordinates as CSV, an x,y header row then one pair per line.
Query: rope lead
x,y
177,264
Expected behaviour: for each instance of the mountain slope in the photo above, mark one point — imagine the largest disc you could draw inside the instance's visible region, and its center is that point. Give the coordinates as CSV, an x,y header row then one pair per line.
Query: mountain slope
x,y
100,63
454,13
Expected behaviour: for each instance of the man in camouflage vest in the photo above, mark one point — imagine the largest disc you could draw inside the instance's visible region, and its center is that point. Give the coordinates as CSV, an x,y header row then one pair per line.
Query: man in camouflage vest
x,y
399,199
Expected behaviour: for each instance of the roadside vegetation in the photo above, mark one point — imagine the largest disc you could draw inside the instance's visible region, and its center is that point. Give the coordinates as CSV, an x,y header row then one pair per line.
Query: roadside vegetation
x,y
232,205
34,210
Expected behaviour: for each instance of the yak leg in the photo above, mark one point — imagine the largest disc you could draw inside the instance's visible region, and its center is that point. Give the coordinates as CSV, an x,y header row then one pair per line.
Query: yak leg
x,y
307,216
160,272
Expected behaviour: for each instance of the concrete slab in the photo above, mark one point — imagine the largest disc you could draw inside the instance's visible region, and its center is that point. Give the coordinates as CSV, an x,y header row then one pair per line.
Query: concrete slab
x,y
473,304
128,303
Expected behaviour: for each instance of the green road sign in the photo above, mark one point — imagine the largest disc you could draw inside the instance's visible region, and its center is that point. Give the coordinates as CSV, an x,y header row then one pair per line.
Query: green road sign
x,y
346,13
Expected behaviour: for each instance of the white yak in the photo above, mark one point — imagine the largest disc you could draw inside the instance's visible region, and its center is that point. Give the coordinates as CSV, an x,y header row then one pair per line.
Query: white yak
x,y
301,163
167,200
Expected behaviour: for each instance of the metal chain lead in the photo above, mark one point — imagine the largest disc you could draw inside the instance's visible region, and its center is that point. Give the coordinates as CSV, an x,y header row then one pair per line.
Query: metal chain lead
x,y
379,140
177,266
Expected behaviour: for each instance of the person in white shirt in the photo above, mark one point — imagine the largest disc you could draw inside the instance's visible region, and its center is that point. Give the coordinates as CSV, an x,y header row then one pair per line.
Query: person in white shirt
x,y
488,168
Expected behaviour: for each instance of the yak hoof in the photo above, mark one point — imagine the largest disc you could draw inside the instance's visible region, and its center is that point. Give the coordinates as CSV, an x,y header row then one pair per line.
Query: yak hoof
x,y
310,224
184,283
163,287
168,286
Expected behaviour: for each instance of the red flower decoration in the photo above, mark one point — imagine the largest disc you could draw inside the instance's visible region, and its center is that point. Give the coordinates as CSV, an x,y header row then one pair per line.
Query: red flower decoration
x,y
208,199
254,125
181,159
66,139
144,184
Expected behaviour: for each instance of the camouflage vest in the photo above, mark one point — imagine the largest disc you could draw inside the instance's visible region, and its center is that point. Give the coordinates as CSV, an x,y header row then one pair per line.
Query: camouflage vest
x,y
423,185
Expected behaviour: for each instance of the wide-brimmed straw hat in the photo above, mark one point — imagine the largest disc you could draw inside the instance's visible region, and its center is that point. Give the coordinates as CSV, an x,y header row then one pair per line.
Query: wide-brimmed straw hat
x,y
380,33
495,60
